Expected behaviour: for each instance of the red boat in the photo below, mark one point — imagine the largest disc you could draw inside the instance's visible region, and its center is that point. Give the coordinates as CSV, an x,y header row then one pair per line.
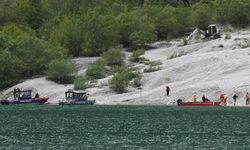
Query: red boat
x,y
209,103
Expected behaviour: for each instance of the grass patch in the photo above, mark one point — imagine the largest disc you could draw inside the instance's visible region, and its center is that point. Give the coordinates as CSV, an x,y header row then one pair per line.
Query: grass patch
x,y
152,69
135,56
81,83
176,55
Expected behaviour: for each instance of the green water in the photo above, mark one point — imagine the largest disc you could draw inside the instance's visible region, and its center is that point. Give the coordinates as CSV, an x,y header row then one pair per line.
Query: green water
x,y
124,127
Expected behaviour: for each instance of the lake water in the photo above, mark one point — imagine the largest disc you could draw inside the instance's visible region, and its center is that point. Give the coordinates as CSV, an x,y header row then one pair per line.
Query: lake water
x,y
124,127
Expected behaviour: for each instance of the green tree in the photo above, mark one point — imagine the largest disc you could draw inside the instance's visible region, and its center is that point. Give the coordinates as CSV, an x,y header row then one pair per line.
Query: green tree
x,y
101,32
11,68
69,34
28,12
203,15
61,71
136,29
231,11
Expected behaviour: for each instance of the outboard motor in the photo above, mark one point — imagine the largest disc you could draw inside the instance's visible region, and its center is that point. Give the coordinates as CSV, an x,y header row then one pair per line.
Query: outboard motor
x,y
179,102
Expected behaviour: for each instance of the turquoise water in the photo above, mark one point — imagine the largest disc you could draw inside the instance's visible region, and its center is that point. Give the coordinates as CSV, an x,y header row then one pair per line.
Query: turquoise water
x,y
124,127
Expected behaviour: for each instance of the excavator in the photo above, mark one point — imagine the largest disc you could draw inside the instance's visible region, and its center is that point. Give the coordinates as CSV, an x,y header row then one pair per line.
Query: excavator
x,y
213,31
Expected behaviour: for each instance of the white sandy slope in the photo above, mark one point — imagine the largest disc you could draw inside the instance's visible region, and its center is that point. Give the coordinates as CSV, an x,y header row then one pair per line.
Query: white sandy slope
x,y
209,68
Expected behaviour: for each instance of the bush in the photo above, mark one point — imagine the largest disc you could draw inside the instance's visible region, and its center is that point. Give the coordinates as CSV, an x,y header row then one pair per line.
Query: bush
x,y
221,46
113,57
128,71
120,80
80,83
61,71
97,70
135,57
137,82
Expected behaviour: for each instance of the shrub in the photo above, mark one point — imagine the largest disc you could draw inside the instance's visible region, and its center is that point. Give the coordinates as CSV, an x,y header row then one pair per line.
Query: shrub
x,y
113,57
119,82
61,71
137,82
177,54
135,57
121,79
221,46
80,83
97,70
128,71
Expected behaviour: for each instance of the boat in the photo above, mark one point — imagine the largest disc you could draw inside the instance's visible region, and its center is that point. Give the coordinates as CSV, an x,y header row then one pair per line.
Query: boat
x,y
208,103
76,98
24,97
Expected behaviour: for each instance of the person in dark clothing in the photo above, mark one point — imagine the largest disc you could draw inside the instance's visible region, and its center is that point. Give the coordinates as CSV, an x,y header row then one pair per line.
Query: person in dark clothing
x,y
167,90
235,98
203,98
37,95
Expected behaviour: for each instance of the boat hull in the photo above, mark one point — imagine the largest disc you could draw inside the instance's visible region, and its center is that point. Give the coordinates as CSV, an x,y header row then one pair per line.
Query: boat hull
x,y
199,104
26,101
87,102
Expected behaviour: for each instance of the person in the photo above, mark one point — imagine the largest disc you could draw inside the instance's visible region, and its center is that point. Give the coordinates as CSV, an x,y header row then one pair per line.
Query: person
x,y
194,98
16,93
222,97
167,90
247,98
203,98
235,98
37,95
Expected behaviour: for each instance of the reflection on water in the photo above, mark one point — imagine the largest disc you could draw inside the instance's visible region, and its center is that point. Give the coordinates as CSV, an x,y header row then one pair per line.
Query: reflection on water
x,y
124,127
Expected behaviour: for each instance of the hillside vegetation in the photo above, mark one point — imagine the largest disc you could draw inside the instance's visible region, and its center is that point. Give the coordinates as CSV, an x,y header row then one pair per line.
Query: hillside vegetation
x,y
34,34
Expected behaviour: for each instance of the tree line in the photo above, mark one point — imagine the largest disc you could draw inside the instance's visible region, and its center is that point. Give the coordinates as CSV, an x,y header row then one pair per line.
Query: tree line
x,y
33,33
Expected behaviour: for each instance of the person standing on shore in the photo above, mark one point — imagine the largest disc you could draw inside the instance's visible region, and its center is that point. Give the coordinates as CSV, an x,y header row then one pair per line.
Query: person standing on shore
x,y
223,99
203,98
167,90
194,98
247,98
235,98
